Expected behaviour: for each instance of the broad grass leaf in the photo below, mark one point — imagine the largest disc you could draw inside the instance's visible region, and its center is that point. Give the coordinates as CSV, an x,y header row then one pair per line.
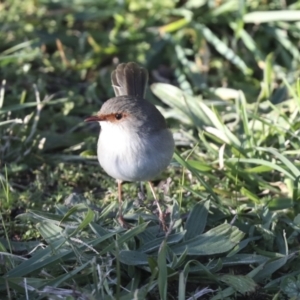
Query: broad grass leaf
x,y
250,195
221,47
42,259
174,26
181,286
286,162
219,134
273,265
281,203
248,41
192,4
225,8
225,93
244,243
29,104
282,38
50,256
170,95
88,218
258,17
241,259
217,240
298,88
189,74
227,292
214,119
200,166
146,236
133,258
50,232
101,231
175,218
154,244
125,237
184,103
162,271
16,284
179,261
224,294
183,276
242,284
259,169
279,280
294,95
56,282
15,58
242,106
172,258
19,46
194,266
77,208
185,164
18,247
196,221
57,140
263,162
40,216
291,286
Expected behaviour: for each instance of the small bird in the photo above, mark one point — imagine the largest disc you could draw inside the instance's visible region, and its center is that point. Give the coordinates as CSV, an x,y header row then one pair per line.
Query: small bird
x,y
134,142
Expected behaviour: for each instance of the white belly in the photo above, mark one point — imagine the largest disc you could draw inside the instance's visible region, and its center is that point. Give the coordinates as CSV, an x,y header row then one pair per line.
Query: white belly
x,y
131,158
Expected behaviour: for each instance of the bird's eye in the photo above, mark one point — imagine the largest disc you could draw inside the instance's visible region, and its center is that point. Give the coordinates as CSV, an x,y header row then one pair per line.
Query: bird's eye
x,y
118,116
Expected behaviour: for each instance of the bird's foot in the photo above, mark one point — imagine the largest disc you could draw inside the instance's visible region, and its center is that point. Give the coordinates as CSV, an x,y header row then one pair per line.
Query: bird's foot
x,y
161,218
122,222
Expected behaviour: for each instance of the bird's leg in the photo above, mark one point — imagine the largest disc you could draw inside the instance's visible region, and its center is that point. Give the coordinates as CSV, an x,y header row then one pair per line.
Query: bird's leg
x,y
160,213
120,214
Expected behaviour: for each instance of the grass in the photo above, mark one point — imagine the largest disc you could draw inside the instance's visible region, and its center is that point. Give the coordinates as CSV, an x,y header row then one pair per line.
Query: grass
x,y
225,74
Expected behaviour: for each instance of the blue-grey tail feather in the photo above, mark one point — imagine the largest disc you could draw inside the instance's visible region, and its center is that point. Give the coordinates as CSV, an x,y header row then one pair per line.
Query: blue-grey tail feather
x,y
129,79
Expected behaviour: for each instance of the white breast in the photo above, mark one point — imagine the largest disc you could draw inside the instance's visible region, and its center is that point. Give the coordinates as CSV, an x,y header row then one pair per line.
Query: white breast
x,y
135,156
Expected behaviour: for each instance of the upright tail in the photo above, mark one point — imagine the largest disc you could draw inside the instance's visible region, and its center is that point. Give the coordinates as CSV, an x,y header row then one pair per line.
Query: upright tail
x,y
129,79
